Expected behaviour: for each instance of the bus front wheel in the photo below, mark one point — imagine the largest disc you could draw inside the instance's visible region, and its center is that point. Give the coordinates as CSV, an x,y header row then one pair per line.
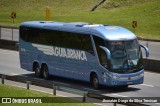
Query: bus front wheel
x,y
95,82
37,71
45,72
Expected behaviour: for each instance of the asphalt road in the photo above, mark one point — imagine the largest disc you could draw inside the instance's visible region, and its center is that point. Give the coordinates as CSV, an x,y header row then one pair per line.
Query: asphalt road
x,y
154,47
9,64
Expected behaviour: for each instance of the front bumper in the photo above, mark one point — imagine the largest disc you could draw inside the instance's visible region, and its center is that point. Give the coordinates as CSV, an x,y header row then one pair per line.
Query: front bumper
x,y
116,79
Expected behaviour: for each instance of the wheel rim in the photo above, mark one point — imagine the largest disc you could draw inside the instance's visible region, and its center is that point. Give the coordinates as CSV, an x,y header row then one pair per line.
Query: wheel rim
x,y
45,73
95,82
37,72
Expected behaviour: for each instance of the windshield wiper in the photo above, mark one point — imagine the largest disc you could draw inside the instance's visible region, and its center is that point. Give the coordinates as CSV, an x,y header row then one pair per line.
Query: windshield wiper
x,y
124,63
128,59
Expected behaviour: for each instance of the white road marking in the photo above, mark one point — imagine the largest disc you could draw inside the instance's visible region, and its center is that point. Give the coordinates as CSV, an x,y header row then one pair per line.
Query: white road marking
x,y
18,75
147,85
119,95
14,74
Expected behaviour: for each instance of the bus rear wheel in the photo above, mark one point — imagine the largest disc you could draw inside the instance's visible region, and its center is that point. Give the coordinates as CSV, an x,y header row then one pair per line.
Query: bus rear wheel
x,y
95,82
38,72
45,72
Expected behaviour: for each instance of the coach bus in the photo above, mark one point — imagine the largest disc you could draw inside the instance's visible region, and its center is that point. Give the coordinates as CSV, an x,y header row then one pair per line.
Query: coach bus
x,y
96,53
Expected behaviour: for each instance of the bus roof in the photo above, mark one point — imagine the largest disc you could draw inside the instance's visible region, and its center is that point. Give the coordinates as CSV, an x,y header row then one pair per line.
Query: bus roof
x,y
104,31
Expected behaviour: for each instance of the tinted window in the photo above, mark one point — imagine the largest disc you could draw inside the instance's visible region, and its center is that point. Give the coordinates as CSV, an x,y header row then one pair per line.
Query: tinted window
x,y
57,38
101,53
23,33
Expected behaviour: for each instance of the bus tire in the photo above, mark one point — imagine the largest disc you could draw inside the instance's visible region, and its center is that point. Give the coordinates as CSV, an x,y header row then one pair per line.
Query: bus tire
x,y
95,82
45,72
36,69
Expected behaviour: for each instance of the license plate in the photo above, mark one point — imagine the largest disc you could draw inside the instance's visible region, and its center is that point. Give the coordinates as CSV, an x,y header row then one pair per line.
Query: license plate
x,y
129,82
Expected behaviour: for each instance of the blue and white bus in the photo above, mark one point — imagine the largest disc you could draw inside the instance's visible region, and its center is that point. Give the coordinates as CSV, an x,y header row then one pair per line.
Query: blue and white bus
x,y
96,53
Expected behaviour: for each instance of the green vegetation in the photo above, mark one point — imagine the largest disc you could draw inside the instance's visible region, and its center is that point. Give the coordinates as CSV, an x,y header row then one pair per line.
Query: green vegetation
x,y
28,10
145,12
10,91
112,12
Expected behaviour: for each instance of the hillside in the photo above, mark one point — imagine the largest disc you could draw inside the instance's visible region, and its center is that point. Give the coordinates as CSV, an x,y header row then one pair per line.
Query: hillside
x,y
113,12
123,12
110,4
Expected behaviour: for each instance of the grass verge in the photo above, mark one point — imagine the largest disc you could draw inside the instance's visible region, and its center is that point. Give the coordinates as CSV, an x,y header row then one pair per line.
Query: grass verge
x,y
112,12
10,91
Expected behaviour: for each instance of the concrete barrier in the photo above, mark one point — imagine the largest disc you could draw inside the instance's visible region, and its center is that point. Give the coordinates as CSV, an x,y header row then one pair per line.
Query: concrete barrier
x,y
152,65
7,44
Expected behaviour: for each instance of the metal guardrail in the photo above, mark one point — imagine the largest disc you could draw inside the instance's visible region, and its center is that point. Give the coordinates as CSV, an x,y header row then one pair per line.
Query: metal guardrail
x,y
36,82
56,87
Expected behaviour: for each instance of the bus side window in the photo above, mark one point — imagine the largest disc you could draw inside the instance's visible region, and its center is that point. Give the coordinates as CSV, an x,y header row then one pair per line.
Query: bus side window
x,y
24,33
86,44
101,53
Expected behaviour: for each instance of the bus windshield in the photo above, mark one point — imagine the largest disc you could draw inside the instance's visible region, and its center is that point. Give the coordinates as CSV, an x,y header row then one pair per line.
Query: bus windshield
x,y
125,56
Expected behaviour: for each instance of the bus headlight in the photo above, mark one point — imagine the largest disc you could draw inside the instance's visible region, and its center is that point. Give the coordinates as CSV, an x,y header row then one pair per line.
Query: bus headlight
x,y
141,75
115,76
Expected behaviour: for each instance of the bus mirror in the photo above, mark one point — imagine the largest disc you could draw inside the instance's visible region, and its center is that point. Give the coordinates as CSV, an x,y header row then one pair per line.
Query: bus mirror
x,y
108,53
146,49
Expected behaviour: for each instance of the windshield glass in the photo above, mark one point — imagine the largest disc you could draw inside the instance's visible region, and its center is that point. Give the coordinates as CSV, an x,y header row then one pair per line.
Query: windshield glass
x,y
125,56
